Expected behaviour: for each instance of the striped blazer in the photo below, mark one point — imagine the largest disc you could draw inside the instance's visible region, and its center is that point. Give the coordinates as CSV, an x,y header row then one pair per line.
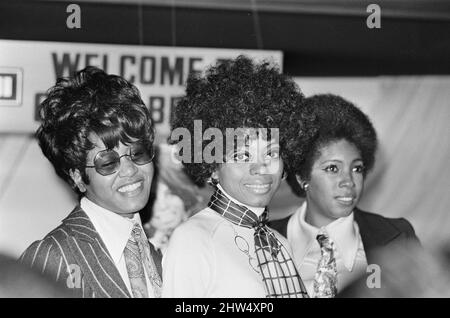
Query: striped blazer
x,y
74,256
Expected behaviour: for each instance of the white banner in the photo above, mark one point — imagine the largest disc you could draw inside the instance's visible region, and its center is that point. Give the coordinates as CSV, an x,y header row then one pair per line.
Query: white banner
x,y
29,68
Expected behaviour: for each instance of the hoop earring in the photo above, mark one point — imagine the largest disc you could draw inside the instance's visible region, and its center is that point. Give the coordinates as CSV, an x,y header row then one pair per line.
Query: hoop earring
x,y
284,175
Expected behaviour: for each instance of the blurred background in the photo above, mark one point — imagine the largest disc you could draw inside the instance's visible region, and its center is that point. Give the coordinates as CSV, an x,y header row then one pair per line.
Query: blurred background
x,y
399,74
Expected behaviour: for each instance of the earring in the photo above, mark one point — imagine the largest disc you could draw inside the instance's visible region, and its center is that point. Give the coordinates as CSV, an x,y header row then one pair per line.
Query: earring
x,y
284,175
81,187
305,186
212,181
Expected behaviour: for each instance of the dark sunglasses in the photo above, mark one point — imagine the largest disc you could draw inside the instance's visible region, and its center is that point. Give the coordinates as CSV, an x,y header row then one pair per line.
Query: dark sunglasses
x,y
107,161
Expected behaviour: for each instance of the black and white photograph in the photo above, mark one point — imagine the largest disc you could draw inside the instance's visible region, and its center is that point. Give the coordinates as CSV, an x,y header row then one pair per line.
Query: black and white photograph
x,y
224,153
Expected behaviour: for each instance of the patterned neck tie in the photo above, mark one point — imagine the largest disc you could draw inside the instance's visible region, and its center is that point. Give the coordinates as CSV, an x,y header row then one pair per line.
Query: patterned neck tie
x,y
137,258
280,277
325,280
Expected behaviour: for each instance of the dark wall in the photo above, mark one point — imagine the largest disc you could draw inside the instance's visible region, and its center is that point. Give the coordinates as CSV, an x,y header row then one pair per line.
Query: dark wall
x,y
314,45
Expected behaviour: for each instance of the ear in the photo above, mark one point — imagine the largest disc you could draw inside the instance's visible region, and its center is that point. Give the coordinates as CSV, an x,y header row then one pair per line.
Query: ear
x,y
214,178
75,175
299,179
303,183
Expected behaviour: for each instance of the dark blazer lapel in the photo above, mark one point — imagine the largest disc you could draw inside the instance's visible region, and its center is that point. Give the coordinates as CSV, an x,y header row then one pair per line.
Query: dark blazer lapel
x,y
280,225
96,264
375,232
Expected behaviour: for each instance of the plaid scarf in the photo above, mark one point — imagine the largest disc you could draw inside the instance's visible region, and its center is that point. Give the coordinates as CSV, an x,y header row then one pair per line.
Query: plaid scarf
x,y
280,277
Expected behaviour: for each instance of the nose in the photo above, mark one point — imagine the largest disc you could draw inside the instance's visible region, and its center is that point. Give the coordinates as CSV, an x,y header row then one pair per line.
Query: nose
x,y
346,180
259,167
127,167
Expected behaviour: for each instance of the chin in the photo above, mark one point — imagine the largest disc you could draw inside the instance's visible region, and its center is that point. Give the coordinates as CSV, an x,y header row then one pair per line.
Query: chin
x,y
132,208
133,204
343,213
258,202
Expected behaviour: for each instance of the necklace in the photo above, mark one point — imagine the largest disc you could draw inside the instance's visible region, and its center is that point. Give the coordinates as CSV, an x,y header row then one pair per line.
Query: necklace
x,y
242,244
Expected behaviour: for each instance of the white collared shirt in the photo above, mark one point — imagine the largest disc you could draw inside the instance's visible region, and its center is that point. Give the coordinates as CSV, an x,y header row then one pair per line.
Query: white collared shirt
x,y
351,259
115,231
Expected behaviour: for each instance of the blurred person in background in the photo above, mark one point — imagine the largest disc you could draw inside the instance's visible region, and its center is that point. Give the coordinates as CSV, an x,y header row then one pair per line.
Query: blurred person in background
x,y
20,281
174,197
97,133
331,149
404,272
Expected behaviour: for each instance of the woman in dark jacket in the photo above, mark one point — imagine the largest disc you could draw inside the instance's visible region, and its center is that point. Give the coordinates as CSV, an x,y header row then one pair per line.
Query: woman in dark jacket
x,y
331,149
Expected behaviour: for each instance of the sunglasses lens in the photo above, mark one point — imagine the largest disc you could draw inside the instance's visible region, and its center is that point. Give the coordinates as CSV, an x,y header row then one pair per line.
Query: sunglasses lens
x,y
141,155
107,162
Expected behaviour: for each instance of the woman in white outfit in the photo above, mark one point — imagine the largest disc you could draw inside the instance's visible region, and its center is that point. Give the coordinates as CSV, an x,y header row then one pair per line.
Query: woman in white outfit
x,y
226,250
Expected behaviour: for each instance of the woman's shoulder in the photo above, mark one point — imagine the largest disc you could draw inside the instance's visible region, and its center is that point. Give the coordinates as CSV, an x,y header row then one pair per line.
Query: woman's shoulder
x,y
203,223
379,221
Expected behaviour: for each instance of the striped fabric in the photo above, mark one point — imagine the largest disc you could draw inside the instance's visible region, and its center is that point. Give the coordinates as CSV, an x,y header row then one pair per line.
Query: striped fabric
x,y
75,256
277,270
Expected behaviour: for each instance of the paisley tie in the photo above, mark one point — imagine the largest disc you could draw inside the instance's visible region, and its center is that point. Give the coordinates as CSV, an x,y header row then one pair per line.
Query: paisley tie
x,y
325,280
138,259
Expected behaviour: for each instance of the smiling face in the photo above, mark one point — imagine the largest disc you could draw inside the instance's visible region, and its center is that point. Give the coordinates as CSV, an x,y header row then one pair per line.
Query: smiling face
x,y
252,173
124,192
336,183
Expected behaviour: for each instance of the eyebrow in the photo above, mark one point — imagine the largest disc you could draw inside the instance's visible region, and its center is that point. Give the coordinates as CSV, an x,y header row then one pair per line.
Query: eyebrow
x,y
340,161
269,145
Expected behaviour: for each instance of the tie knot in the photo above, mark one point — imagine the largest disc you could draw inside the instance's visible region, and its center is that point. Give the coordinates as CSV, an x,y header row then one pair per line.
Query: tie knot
x,y
136,232
324,240
261,221
258,226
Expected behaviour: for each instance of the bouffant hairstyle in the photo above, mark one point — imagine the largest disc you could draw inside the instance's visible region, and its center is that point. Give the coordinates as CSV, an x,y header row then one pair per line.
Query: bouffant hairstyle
x,y
324,119
91,102
238,93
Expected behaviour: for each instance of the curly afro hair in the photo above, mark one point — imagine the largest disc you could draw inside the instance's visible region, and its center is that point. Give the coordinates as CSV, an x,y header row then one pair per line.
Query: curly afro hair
x,y
234,94
324,119
90,102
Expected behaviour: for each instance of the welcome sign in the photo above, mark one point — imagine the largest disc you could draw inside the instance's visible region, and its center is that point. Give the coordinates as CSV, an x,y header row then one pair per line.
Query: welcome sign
x,y
29,68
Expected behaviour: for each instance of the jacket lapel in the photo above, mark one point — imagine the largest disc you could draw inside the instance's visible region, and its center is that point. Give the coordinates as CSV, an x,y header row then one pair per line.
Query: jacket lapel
x,y
375,231
99,270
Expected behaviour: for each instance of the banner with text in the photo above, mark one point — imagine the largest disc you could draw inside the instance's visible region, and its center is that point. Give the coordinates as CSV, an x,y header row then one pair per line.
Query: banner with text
x,y
29,68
